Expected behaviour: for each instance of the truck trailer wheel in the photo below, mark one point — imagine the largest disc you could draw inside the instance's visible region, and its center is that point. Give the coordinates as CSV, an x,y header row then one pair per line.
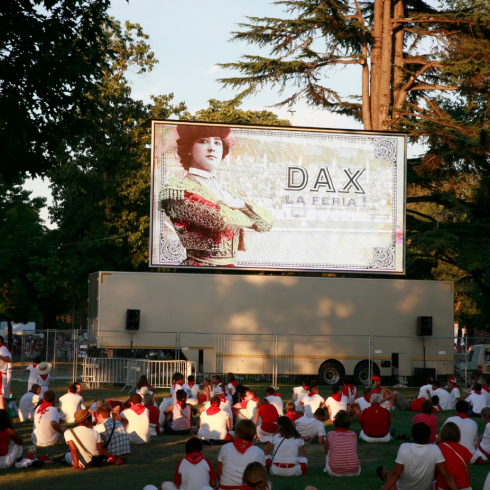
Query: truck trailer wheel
x,y
361,373
330,373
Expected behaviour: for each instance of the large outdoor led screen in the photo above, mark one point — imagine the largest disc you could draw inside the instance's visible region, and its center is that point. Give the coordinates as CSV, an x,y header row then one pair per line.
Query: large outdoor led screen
x,y
277,198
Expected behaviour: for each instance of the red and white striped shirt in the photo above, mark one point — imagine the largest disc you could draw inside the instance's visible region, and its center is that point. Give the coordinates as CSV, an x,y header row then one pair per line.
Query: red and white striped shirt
x,y
342,453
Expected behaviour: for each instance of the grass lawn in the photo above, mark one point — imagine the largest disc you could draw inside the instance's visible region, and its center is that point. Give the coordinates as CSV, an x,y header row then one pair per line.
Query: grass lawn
x,y
155,462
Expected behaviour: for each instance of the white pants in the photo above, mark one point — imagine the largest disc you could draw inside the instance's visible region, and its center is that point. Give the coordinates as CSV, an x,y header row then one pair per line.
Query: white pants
x,y
294,471
364,437
331,473
14,452
262,435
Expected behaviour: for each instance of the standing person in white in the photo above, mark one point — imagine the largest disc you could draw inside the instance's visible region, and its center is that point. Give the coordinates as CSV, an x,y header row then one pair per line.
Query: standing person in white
x,y
47,430
311,402
137,421
28,403
70,403
31,369
5,361
43,377
416,464
336,402
467,427
234,457
444,397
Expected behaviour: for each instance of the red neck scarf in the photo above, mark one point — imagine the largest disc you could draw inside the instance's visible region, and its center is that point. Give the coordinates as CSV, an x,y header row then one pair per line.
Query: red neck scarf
x,y
223,399
194,458
34,365
138,409
177,383
242,445
337,397
234,383
312,394
182,404
213,410
367,398
275,394
44,376
191,383
254,400
477,392
339,429
306,388
43,408
463,415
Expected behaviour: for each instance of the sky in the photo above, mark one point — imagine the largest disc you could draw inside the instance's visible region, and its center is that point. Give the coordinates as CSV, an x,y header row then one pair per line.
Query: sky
x,y
189,38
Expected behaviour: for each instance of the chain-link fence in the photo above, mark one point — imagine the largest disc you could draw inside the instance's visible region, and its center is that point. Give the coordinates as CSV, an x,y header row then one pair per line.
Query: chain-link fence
x,y
264,358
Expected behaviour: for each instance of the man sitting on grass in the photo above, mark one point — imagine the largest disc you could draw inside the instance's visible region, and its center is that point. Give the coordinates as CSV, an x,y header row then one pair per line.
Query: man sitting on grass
x,y
416,464
482,453
375,421
47,430
85,443
310,429
113,433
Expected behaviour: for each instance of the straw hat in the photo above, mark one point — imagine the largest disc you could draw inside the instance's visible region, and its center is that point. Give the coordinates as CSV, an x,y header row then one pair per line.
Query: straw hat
x,y
81,415
44,368
144,390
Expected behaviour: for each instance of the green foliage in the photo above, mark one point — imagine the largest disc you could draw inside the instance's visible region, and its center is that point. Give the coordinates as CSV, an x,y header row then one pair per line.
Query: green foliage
x,y
51,55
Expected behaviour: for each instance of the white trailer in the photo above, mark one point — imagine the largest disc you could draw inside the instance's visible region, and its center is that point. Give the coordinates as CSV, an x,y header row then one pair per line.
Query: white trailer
x,y
279,325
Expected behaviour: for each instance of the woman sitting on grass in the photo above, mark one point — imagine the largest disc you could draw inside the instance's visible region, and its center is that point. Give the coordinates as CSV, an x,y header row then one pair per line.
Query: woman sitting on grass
x,y
181,416
288,450
341,448
457,457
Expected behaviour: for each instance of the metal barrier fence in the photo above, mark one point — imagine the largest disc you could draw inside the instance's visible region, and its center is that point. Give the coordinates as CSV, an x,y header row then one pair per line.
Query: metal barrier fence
x,y
97,371
254,358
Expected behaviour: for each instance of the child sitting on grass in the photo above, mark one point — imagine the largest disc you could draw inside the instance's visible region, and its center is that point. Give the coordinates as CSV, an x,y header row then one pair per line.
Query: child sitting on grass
x,y
194,471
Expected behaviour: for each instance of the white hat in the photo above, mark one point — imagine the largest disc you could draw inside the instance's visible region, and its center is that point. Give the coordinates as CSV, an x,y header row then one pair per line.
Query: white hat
x,y
150,487
144,390
44,368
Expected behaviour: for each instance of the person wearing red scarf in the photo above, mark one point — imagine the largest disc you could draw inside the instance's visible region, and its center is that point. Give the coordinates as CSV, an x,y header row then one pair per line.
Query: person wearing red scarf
x,y
215,423
232,383
275,399
299,392
467,426
336,402
194,471
291,413
177,384
247,408
235,457
31,369
375,422
268,416
477,401
192,390
137,421
311,402
47,430
362,402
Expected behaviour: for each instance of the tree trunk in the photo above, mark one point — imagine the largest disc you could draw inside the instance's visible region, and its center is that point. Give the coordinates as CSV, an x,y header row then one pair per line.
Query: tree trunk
x,y
398,59
386,71
376,63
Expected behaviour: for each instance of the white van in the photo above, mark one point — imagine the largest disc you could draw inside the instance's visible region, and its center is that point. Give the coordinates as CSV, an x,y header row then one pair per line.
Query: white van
x,y
478,360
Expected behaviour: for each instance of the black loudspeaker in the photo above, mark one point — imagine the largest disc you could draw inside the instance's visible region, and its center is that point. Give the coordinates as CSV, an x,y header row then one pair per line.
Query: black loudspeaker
x,y
424,326
133,319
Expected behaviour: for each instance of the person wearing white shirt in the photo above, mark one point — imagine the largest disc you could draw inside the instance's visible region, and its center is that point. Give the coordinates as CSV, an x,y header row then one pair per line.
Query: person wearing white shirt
x,y
336,402
416,464
137,421
467,426
31,369
191,389
5,362
426,391
247,408
275,399
235,456
364,401
47,430
444,397
477,400
70,403
310,429
311,402
28,403
455,393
